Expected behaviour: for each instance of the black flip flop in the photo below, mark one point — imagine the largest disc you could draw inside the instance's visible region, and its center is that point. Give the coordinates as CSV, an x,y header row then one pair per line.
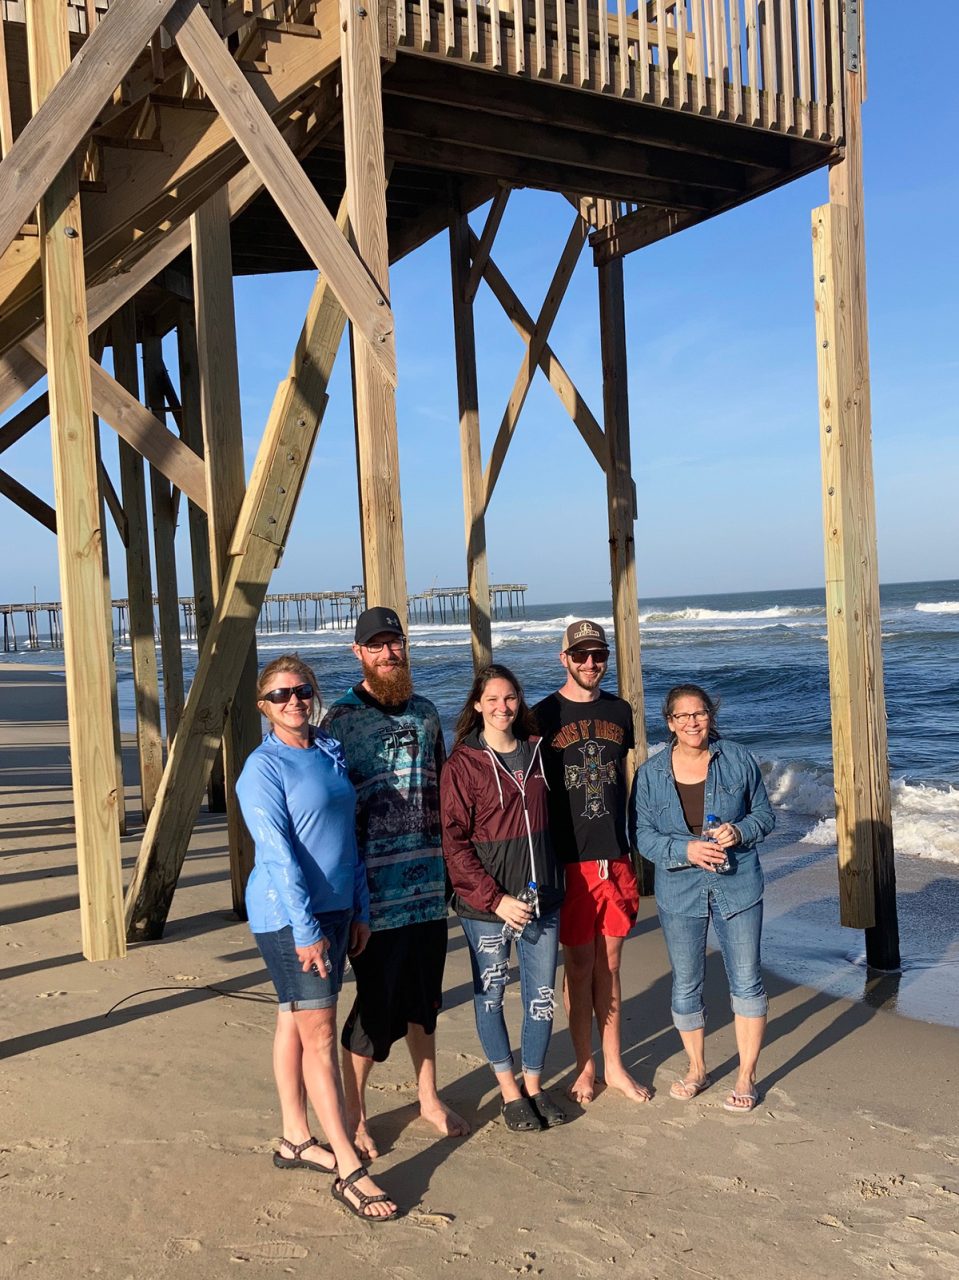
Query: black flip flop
x,y
547,1110
521,1116
286,1162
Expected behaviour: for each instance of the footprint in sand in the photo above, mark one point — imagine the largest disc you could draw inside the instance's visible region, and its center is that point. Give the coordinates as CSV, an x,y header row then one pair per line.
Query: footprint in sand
x,y
275,1212
179,1247
269,1251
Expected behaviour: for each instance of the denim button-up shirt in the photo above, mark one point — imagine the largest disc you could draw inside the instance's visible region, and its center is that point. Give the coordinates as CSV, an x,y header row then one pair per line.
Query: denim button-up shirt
x,y
735,793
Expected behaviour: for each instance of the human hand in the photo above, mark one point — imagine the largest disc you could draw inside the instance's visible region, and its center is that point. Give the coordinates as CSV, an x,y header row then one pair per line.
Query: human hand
x,y
707,854
726,835
313,957
514,913
359,936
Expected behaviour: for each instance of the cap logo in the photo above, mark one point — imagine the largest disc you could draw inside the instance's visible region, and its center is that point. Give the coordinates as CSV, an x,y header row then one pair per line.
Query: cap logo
x,y
585,632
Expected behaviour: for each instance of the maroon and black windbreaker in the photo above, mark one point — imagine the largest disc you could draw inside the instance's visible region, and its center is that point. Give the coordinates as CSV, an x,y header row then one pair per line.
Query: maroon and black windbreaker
x,y
495,828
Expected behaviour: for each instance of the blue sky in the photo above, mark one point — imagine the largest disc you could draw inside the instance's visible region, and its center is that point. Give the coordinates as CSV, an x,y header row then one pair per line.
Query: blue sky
x,y
720,332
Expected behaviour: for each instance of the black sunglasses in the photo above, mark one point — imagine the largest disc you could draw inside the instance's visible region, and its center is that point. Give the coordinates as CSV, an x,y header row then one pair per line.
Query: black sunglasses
x,y
579,656
280,697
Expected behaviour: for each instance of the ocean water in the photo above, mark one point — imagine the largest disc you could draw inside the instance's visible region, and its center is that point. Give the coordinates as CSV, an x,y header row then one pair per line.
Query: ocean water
x,y
762,653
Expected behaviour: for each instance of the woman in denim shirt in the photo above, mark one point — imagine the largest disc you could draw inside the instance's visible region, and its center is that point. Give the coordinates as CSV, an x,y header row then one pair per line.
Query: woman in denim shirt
x,y
699,878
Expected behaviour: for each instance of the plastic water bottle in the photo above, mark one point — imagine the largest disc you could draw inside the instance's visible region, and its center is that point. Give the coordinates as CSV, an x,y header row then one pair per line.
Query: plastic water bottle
x,y
712,823
529,895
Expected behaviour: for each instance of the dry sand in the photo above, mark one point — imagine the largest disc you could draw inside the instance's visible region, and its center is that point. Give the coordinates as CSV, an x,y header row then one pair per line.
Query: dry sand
x,y
137,1142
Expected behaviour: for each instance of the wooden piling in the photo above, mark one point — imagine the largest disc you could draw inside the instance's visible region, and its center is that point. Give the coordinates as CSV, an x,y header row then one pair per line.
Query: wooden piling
x,y
474,506
867,877
146,691
374,396
78,525
219,386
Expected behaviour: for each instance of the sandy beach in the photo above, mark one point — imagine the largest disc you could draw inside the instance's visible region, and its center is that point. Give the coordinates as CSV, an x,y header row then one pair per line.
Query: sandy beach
x,y
137,1109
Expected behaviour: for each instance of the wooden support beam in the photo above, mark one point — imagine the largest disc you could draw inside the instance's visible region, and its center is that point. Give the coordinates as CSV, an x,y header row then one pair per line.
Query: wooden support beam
x,y
867,878
282,174
621,505
164,550
464,335
76,93
191,429
139,427
377,451
79,532
262,529
524,377
28,501
485,246
30,416
559,379
219,388
146,689
19,370
113,503
105,482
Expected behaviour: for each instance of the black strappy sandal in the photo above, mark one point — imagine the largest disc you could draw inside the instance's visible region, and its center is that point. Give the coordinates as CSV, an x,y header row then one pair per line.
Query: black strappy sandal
x,y
285,1162
342,1185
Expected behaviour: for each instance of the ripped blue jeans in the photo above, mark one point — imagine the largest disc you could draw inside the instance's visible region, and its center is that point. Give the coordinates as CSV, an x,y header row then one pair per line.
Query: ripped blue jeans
x,y
489,957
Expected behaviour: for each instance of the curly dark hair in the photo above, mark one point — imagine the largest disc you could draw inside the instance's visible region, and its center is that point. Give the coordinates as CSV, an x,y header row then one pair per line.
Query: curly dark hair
x,y
470,719
692,691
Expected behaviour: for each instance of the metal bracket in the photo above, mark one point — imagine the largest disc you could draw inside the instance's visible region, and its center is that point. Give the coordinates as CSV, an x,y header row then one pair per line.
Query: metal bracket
x,y
851,26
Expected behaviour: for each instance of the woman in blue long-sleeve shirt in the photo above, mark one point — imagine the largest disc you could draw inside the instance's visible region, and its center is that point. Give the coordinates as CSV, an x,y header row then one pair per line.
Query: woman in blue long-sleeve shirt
x,y
307,903
701,810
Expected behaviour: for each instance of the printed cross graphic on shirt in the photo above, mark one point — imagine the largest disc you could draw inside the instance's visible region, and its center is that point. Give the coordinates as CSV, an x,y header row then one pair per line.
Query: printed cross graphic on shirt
x,y
592,774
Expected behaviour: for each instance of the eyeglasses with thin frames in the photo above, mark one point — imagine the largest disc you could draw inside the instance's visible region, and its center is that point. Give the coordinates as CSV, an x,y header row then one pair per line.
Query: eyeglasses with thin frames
x,y
399,644
683,717
280,697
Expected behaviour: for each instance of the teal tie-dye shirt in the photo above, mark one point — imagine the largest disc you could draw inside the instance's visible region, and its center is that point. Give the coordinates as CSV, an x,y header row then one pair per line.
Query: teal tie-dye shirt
x,y
394,759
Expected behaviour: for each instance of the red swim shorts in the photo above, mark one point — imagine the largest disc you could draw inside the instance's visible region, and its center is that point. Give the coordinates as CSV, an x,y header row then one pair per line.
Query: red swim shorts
x,y
602,898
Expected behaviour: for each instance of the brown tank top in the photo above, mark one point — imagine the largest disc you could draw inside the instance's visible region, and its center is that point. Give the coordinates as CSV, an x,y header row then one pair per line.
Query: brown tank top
x,y
692,796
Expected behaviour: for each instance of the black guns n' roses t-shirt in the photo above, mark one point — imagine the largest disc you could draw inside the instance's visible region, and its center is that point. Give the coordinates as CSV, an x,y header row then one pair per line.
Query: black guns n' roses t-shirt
x,y
584,752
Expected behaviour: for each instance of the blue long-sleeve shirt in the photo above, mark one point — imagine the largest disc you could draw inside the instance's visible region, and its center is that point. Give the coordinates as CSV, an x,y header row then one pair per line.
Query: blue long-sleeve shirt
x,y
300,808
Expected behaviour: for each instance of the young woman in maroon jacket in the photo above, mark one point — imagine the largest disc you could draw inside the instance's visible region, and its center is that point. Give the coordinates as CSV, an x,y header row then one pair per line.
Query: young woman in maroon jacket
x,y
497,846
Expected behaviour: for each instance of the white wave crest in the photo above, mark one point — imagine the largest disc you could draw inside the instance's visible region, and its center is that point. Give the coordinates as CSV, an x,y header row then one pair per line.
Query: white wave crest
x,y
941,606
925,818
690,614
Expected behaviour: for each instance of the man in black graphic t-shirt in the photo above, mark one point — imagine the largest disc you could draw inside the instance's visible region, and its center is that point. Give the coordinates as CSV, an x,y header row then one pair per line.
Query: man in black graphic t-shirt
x,y
587,735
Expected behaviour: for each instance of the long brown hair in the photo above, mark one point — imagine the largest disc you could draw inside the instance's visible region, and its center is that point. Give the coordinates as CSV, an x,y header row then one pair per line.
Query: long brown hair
x,y
470,719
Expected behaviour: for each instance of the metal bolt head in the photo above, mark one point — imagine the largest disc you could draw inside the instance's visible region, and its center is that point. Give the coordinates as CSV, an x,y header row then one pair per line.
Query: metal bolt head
x,y
361,13
825,343
71,233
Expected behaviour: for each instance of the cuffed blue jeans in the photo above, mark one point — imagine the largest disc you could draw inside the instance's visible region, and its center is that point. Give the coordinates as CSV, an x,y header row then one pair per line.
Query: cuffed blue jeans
x,y
739,942
536,952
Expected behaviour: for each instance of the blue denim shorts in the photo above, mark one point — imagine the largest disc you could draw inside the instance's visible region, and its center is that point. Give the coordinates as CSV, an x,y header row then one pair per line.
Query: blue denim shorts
x,y
299,990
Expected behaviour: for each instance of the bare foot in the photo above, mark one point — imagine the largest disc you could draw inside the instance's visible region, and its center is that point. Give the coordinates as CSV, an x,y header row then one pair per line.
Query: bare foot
x,y
583,1088
363,1142
443,1119
626,1085
355,1194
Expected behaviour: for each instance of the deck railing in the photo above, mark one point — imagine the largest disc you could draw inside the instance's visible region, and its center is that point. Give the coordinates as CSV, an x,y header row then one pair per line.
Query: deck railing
x,y
773,64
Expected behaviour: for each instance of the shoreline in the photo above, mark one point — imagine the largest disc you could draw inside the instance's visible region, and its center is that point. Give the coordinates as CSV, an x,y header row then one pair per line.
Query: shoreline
x,y
139,1107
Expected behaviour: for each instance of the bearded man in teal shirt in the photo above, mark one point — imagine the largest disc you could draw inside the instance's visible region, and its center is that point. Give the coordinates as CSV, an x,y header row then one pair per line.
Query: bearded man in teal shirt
x,y
394,750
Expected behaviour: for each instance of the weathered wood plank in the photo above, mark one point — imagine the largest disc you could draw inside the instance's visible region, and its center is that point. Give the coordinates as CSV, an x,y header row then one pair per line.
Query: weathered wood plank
x,y
28,501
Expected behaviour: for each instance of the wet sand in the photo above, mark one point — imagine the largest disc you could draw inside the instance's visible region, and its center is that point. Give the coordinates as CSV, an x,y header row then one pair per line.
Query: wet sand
x,y
137,1109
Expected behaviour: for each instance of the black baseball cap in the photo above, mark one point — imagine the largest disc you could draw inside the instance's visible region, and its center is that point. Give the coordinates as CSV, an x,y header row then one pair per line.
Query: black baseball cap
x,y
372,622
